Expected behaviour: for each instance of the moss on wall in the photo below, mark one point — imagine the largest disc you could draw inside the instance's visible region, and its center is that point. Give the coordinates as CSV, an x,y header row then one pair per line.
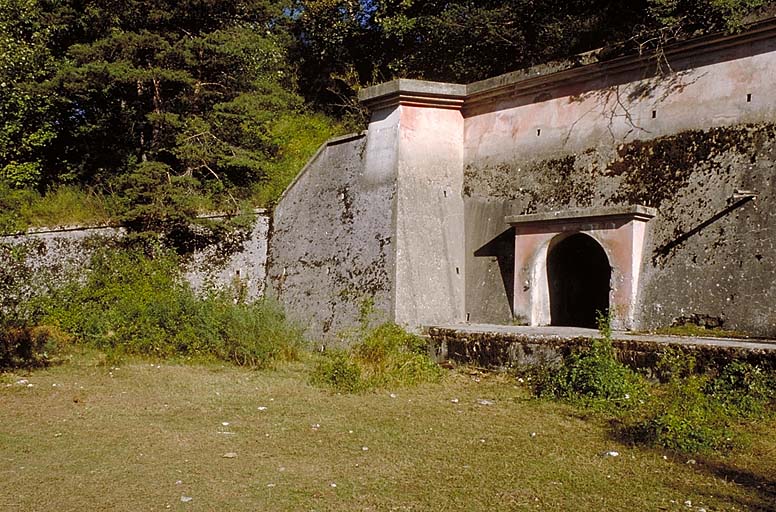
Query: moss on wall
x,y
652,171
708,252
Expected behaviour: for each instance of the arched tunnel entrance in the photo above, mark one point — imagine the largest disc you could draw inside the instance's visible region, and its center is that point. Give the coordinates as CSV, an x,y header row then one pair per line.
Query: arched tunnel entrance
x,y
578,274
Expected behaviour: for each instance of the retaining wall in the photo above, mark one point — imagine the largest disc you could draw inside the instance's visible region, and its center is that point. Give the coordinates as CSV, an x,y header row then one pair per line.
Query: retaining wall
x,y
332,247
53,256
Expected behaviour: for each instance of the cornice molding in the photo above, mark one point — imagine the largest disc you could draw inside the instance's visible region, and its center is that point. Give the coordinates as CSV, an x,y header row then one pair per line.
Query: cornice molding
x,y
413,92
540,79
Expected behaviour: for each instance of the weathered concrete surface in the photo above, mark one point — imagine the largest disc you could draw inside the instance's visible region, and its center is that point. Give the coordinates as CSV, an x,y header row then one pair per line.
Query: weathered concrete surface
x,y
501,347
332,242
41,260
490,260
430,236
682,143
706,252
412,213
54,256
243,268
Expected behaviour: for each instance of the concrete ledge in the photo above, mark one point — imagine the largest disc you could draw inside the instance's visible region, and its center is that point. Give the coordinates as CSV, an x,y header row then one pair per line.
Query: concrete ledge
x,y
503,347
635,211
45,230
342,139
413,92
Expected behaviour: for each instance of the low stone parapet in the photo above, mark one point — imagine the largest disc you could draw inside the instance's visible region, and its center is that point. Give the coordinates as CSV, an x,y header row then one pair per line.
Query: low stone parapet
x,y
508,347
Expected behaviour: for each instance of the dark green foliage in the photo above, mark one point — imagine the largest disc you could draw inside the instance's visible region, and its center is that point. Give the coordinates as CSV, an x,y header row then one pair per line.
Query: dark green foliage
x,y
25,346
197,100
693,16
336,370
134,303
591,376
384,356
346,44
684,418
743,389
28,114
699,413
688,413
168,108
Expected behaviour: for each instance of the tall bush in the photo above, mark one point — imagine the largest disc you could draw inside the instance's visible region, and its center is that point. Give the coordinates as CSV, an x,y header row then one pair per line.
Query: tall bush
x,y
133,302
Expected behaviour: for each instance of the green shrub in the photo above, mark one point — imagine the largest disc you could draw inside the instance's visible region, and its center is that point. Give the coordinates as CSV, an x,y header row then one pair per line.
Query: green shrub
x,y
698,413
390,356
688,413
683,417
674,363
338,371
743,389
591,375
385,356
134,303
252,334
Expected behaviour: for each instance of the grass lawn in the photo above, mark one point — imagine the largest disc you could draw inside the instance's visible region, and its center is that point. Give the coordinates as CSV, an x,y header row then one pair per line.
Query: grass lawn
x,y
85,436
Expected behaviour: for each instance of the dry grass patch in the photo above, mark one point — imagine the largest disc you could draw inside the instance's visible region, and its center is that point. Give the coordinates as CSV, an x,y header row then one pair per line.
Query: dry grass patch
x,y
141,436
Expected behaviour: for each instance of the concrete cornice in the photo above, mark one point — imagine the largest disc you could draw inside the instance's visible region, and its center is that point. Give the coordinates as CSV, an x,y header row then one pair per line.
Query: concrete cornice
x,y
635,212
538,79
413,92
45,230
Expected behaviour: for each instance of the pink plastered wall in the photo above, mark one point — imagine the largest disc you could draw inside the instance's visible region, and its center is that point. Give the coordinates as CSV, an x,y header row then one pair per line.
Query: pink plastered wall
x,y
429,216
621,239
621,108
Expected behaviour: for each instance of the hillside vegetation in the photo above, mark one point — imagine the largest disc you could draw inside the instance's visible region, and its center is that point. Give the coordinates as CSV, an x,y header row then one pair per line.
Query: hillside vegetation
x,y
147,112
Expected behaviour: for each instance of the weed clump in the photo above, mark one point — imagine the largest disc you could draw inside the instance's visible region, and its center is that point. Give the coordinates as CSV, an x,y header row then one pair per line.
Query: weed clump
x,y
689,412
591,376
743,389
131,302
385,356
699,413
28,346
682,417
338,371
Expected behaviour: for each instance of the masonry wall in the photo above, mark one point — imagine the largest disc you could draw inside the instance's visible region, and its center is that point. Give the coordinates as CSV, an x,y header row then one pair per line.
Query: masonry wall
x,y
682,142
430,261
53,256
332,245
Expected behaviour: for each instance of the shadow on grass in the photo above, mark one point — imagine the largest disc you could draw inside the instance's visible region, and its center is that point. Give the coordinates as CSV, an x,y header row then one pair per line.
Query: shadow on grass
x,y
761,489
753,490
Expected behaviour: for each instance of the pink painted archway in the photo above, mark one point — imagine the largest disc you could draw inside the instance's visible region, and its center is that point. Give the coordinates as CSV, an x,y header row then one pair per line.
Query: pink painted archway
x,y
619,230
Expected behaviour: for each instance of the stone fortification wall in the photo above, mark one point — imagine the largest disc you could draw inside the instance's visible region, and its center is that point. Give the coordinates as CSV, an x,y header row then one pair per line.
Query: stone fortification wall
x,y
376,217
331,249
410,216
52,256
240,262
686,142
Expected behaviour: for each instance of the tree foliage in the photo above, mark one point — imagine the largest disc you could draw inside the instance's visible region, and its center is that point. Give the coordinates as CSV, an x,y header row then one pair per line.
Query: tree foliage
x,y
169,106
346,44
28,115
